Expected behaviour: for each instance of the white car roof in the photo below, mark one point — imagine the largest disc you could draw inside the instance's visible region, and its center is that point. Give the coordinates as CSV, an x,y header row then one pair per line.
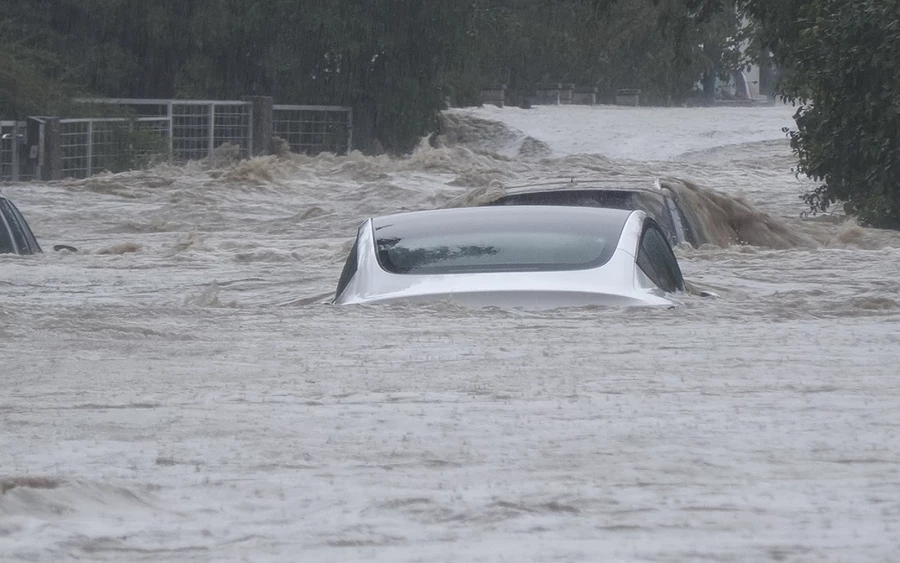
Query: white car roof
x,y
463,270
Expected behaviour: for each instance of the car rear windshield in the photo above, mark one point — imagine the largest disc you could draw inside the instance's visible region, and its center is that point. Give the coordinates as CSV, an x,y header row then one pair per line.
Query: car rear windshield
x,y
530,239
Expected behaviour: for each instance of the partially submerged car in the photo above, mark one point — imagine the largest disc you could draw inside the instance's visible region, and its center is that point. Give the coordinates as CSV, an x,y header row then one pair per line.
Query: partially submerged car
x,y
512,256
679,222
15,234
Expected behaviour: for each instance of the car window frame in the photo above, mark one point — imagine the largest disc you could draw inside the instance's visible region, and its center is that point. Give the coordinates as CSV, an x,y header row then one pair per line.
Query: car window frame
x,y
351,265
23,239
650,267
7,240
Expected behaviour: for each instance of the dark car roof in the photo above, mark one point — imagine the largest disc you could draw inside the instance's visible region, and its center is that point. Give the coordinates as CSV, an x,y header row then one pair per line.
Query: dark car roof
x,y
657,203
586,194
555,185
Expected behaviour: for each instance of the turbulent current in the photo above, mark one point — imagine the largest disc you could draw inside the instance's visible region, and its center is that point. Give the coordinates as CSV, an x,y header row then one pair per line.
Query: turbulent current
x,y
179,389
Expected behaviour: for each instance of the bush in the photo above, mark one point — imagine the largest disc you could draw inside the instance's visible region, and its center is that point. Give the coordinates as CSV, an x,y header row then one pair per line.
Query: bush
x,y
845,59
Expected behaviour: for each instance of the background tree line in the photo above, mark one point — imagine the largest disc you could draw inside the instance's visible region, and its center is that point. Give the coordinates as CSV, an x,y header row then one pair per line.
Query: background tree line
x,y
396,61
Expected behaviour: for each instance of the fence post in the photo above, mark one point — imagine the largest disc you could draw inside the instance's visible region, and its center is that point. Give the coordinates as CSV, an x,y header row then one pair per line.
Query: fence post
x,y
170,113
90,148
14,165
52,169
261,124
212,129
349,130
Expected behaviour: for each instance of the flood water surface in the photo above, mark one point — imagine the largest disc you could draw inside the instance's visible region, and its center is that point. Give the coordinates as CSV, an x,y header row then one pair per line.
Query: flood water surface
x,y
179,390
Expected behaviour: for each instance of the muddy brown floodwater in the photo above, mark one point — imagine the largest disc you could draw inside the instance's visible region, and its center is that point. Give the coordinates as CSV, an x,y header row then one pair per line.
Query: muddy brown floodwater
x,y
178,391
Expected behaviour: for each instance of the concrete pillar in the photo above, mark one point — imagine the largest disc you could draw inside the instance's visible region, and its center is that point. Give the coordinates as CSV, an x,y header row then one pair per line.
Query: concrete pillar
x,y
262,131
51,167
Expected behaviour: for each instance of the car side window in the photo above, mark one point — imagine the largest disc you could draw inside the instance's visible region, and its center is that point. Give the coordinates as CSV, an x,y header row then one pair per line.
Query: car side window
x,y
657,261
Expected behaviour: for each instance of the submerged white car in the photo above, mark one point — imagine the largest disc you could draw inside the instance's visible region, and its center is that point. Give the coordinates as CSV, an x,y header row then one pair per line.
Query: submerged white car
x,y
512,256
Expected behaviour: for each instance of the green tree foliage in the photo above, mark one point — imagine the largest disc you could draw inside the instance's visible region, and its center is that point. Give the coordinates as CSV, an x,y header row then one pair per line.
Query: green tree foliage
x,y
842,61
31,70
662,47
26,87
386,58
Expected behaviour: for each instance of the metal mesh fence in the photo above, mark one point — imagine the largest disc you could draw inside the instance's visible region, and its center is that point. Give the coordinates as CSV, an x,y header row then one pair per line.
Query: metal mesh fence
x,y
314,129
74,143
89,146
150,140
108,145
190,131
198,128
234,124
172,130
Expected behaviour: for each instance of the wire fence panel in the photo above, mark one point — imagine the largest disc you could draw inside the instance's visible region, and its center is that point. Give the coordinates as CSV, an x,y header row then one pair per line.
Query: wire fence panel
x,y
190,131
136,132
314,129
234,124
89,146
108,145
198,128
151,141
74,144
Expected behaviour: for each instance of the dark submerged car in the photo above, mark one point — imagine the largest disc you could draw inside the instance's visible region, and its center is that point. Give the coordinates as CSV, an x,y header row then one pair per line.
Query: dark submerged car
x,y
680,225
15,234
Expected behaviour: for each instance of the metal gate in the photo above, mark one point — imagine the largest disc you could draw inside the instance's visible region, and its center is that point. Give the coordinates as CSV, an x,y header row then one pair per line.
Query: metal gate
x,y
89,146
200,127
133,133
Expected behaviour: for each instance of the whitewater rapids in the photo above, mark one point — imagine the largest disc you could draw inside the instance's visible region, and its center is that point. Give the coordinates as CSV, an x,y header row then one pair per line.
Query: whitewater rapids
x,y
178,391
